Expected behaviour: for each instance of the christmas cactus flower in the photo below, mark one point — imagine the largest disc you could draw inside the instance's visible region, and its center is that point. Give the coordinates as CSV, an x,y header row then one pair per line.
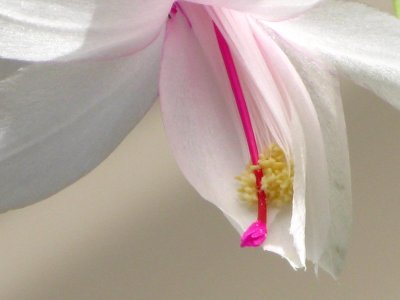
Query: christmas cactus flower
x,y
249,95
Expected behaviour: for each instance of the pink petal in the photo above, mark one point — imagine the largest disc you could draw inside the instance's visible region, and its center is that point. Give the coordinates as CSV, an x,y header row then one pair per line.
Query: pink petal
x,y
203,127
275,109
200,121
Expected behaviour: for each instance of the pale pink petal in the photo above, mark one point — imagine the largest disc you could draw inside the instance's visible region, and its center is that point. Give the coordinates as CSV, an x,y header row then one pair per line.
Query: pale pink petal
x,y
38,30
203,126
58,121
203,134
273,10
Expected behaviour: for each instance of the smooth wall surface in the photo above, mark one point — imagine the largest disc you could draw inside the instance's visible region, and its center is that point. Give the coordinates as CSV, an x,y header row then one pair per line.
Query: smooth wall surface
x,y
134,229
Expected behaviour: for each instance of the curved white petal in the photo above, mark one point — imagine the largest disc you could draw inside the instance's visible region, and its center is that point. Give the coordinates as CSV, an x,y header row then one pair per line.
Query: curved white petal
x,y
360,41
203,126
58,121
38,30
273,10
309,152
323,87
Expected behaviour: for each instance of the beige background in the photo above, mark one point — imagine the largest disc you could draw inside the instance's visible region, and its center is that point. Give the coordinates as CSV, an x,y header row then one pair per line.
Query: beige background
x,y
135,229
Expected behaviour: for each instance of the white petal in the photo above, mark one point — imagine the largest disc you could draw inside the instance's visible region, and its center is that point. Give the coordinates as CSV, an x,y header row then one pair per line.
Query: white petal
x,y
272,10
323,86
39,30
58,121
360,41
309,152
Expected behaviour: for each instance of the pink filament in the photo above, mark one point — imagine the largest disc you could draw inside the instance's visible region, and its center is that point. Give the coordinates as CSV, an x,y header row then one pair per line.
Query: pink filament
x,y
245,118
239,96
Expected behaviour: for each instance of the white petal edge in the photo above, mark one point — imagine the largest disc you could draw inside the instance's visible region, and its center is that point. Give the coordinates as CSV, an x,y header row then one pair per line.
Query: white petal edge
x,y
360,41
58,121
41,30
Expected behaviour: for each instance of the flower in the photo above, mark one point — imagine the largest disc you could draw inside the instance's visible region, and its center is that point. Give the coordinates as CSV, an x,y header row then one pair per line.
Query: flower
x,y
264,67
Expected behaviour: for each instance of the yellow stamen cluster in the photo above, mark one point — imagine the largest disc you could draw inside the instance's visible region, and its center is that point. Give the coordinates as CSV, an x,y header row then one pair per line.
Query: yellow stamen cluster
x,y
277,181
